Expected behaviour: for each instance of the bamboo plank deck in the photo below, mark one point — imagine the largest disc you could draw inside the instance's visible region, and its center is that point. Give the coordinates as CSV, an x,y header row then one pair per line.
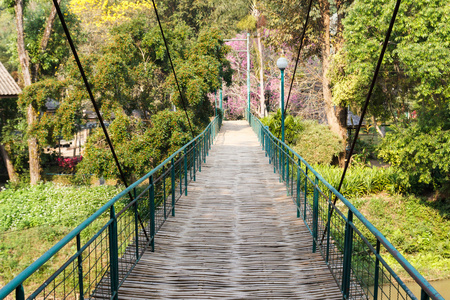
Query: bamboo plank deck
x,y
235,236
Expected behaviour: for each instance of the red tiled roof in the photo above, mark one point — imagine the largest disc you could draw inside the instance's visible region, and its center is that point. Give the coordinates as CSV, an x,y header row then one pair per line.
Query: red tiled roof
x,y
8,87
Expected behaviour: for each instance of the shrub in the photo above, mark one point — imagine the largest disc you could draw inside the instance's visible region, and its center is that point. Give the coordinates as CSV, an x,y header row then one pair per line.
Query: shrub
x,y
292,126
317,144
139,147
360,180
420,156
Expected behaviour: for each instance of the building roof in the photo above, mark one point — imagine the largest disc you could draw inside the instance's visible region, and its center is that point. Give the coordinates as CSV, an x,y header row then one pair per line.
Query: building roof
x,y
353,120
8,86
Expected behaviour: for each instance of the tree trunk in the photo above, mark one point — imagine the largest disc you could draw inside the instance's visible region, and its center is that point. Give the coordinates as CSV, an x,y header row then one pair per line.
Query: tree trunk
x,y
33,149
262,100
380,129
336,115
9,165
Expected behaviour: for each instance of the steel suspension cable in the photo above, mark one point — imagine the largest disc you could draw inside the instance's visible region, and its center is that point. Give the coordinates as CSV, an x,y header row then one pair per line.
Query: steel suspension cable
x,y
363,113
298,55
296,61
183,102
91,97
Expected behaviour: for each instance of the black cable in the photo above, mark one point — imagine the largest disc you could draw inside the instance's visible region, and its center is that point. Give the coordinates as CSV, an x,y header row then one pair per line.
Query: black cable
x,y
91,96
173,69
298,55
363,113
296,62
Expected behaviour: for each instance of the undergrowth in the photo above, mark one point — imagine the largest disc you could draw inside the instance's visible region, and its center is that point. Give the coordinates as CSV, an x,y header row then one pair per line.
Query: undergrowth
x,y
34,218
417,227
51,204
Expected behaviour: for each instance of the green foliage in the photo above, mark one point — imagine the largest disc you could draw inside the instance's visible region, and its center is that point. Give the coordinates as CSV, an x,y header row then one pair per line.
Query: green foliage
x,y
420,157
198,14
14,139
248,23
47,127
199,74
57,50
417,227
49,204
359,180
292,126
313,141
32,219
317,144
414,74
139,147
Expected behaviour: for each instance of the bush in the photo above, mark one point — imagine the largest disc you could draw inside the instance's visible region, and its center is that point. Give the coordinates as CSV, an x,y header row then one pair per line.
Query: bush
x,y
420,156
292,126
317,144
139,147
360,180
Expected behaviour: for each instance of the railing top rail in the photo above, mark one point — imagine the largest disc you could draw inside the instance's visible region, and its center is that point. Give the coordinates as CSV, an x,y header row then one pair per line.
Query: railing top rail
x,y
421,281
19,279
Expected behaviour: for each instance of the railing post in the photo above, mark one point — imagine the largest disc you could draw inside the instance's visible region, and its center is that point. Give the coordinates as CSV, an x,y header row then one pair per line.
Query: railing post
x,y
181,179
165,196
152,212
377,271
274,153
282,162
315,214
194,157
20,293
328,228
424,295
113,255
185,173
261,137
298,188
287,175
306,192
172,172
279,164
202,142
207,137
80,268
136,225
348,249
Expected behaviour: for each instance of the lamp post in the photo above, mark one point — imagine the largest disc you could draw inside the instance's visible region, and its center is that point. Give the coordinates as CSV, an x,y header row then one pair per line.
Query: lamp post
x,y
248,76
215,103
282,64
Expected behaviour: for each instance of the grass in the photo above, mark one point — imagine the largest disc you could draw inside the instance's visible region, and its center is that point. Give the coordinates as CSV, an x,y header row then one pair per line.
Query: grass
x,y
50,204
417,227
33,219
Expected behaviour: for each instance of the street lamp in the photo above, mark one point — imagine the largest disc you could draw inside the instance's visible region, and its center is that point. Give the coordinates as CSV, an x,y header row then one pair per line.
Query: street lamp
x,y
282,64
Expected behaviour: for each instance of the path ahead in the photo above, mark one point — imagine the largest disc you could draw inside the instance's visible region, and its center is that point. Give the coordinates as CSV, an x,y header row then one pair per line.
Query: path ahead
x,y
235,236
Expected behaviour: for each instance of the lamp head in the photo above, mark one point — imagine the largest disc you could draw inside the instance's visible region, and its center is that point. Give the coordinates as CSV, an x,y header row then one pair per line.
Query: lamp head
x,y
282,63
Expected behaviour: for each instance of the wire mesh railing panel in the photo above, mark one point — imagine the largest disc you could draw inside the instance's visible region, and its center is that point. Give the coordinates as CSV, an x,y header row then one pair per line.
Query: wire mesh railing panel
x,y
354,250
111,241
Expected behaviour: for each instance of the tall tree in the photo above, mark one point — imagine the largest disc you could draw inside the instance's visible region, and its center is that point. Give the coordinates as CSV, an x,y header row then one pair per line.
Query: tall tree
x,y
324,39
24,60
28,78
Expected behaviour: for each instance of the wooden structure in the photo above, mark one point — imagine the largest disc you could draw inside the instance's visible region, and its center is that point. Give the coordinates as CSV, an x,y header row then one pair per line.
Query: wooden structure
x,y
235,236
8,86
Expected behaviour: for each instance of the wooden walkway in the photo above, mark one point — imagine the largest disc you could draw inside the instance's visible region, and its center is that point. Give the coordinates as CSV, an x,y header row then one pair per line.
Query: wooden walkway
x,y
235,236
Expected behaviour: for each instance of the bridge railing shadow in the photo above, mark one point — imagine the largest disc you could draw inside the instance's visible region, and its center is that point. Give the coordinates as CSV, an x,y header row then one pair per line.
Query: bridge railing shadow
x,y
108,245
359,257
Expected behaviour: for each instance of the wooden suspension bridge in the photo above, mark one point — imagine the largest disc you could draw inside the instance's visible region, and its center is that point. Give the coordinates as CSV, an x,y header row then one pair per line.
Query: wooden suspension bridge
x,y
254,225
235,236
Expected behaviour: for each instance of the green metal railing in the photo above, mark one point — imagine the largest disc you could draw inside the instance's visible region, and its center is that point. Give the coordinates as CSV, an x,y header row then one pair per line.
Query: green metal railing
x,y
108,245
354,250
